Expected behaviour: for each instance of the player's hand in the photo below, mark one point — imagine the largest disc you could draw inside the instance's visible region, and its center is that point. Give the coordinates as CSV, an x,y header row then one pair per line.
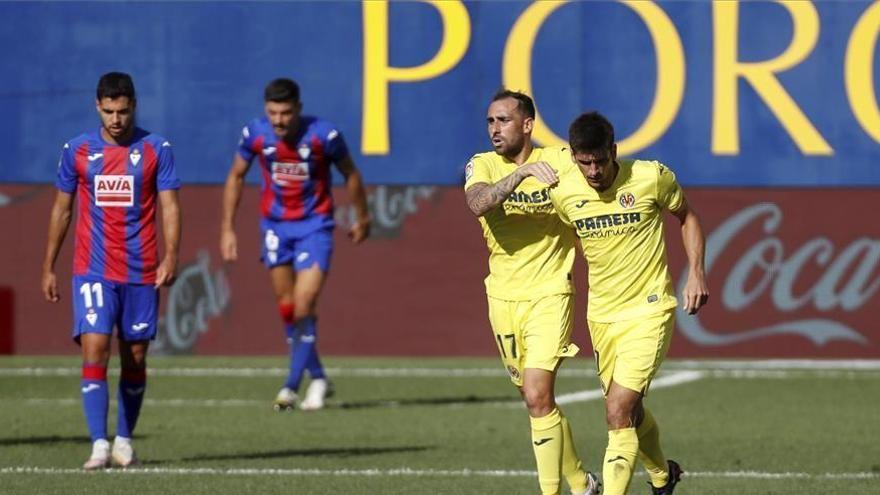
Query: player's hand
x,y
696,294
50,286
359,231
541,171
228,246
167,272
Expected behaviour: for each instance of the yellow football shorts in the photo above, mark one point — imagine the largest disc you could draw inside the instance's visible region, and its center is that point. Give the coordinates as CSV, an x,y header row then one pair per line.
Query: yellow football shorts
x,y
532,334
630,352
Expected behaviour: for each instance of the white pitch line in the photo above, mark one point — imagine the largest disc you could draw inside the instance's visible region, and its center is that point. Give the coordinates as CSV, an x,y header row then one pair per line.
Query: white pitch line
x,y
149,402
720,369
782,476
400,472
662,380
789,374
672,380
777,364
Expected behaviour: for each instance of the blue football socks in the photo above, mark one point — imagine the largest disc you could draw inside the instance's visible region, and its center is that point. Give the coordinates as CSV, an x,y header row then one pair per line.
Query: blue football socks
x,y
95,399
132,385
302,353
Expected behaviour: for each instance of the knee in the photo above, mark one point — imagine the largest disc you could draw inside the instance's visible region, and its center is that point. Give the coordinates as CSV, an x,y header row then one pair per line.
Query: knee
x,y
96,359
134,374
135,364
539,401
305,303
134,357
619,415
138,361
96,355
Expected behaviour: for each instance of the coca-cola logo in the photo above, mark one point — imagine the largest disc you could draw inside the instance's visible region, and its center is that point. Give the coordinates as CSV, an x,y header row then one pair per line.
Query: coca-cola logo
x,y
389,206
848,282
197,296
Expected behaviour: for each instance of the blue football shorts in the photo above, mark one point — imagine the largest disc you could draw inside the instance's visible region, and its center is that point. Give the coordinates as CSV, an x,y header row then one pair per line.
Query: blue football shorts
x,y
284,243
100,304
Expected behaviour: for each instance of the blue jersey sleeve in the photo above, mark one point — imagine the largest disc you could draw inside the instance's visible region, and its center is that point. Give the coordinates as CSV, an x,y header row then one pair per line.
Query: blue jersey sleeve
x,y
335,145
246,143
166,176
66,177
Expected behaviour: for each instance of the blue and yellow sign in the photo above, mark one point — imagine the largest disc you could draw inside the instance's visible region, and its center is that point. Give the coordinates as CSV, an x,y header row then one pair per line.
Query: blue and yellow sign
x,y
726,93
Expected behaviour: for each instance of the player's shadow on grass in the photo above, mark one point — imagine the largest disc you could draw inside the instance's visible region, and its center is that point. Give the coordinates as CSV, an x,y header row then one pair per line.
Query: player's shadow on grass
x,y
275,454
428,401
52,439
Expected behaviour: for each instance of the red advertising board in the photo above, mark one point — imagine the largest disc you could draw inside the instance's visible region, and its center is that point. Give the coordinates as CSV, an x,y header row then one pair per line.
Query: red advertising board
x,y
792,273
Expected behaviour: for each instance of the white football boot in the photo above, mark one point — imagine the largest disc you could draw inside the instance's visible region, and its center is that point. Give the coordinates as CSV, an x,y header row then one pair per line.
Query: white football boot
x,y
285,400
594,486
122,454
100,457
319,389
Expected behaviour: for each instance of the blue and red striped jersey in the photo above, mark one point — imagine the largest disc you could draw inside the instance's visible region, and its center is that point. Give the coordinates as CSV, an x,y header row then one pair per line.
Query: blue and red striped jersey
x,y
116,189
296,172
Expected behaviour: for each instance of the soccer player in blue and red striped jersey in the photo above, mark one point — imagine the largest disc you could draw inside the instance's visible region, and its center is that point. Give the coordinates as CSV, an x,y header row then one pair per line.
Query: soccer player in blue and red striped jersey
x,y
117,173
295,153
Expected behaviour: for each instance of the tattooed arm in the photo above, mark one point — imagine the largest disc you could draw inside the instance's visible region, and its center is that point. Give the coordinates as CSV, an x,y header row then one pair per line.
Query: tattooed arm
x,y
482,197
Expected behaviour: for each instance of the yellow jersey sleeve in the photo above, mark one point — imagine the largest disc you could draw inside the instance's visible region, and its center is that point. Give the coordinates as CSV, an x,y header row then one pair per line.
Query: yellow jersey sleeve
x,y
669,195
478,169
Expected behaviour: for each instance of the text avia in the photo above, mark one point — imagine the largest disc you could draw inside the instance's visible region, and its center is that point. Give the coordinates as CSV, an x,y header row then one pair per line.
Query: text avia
x,y
114,190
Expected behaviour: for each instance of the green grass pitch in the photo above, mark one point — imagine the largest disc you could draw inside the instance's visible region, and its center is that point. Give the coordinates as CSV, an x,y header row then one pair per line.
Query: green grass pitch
x,y
439,426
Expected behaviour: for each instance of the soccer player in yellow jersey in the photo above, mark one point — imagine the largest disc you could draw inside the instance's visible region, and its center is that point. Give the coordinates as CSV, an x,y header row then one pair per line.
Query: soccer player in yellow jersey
x,y
615,207
529,284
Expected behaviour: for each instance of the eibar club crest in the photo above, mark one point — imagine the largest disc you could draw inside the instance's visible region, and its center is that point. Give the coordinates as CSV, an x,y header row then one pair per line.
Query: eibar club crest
x,y
627,200
304,152
92,316
135,157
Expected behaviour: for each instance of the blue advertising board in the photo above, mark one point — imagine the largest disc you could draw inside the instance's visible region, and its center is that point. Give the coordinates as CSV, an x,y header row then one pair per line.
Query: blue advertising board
x,y
726,93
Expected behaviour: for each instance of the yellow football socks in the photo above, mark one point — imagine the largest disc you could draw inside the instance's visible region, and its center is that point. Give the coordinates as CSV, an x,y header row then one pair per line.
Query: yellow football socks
x,y
650,452
547,442
572,469
620,458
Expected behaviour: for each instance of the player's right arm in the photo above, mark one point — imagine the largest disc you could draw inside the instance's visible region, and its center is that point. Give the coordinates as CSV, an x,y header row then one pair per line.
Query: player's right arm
x,y
247,149
59,221
482,197
231,198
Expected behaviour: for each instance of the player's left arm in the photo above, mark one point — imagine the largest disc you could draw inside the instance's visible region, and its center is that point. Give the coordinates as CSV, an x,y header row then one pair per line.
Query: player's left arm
x,y
696,291
167,270
354,184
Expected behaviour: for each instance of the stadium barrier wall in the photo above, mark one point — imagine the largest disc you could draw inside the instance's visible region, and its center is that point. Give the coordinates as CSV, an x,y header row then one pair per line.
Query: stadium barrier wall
x,y
792,273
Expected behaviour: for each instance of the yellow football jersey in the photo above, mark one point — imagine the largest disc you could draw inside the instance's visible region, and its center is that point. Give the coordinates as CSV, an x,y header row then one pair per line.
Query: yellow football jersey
x,y
621,231
531,251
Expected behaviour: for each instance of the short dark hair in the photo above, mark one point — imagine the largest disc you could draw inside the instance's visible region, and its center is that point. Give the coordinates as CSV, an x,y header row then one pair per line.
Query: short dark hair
x,y
524,102
115,84
282,90
590,131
